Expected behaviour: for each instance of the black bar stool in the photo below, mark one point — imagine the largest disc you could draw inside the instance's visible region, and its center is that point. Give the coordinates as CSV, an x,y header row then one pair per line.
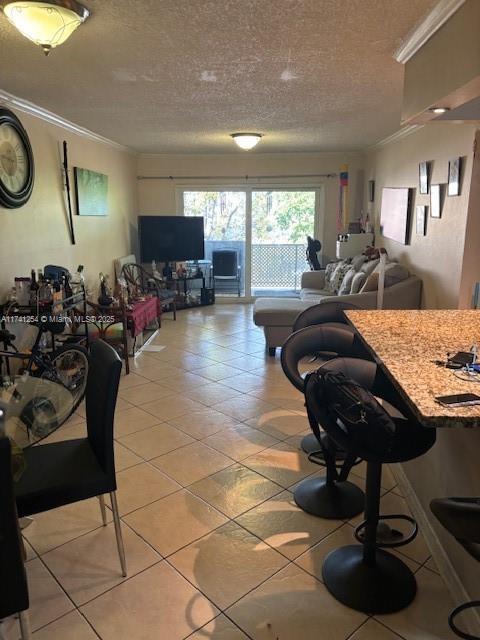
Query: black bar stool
x,y
325,497
461,518
328,314
365,577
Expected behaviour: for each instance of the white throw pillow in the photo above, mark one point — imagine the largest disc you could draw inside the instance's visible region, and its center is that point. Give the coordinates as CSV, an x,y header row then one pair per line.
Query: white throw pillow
x,y
357,261
358,281
346,285
369,267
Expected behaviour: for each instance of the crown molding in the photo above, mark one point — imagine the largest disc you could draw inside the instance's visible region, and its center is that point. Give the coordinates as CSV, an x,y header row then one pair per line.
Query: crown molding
x,y
9,100
395,137
415,40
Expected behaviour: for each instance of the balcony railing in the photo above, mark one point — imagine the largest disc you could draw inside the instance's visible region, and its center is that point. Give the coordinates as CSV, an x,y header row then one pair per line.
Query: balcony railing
x,y
274,266
277,266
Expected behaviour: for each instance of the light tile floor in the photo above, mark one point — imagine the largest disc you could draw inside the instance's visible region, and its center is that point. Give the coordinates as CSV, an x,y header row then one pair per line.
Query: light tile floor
x,y
208,432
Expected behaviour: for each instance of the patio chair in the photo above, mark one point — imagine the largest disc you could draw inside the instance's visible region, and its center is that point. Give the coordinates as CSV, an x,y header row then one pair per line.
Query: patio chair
x,y
225,268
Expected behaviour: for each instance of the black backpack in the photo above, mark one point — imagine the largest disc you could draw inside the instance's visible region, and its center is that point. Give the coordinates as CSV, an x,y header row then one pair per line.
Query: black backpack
x,y
352,416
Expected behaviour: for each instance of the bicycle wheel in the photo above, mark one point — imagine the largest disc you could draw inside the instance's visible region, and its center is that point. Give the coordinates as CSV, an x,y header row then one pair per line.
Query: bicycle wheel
x,y
69,367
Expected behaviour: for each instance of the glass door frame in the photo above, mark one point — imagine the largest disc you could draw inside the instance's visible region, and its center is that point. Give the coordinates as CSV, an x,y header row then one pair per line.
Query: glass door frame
x,y
318,223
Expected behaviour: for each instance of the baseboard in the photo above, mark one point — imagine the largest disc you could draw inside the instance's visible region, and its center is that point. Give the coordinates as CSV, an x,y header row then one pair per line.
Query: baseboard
x,y
447,570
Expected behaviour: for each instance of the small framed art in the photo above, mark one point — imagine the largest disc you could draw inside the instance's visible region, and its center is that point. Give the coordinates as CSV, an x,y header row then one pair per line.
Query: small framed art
x,y
436,201
423,177
421,219
454,168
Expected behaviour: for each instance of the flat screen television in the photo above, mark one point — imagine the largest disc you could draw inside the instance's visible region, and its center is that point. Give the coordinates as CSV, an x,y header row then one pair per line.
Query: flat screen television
x,y
171,238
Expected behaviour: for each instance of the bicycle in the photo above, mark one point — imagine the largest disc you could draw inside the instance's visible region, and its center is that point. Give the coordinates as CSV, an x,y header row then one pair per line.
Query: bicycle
x,y
66,366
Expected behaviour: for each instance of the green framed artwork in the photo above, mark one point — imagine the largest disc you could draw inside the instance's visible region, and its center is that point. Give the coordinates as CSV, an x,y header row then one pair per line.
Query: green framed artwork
x,y
91,192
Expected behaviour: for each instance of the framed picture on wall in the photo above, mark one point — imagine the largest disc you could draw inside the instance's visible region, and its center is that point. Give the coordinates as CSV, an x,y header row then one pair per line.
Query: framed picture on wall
x,y
91,192
371,190
423,175
454,167
421,218
436,201
395,213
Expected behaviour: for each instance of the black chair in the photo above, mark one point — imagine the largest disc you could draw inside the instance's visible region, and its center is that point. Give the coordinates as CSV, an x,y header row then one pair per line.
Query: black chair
x,y
225,268
364,576
139,281
64,472
329,314
326,496
461,518
14,598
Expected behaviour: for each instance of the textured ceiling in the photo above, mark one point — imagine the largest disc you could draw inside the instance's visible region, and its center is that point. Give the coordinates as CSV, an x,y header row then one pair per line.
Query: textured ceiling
x,y
180,75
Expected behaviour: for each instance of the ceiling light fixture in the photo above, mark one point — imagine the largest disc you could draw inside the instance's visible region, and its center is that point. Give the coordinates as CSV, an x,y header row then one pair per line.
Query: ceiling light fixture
x,y
246,140
439,110
47,24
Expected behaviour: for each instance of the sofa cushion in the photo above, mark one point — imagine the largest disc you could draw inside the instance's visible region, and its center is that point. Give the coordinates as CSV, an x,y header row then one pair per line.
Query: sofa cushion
x,y
314,294
279,312
358,281
346,285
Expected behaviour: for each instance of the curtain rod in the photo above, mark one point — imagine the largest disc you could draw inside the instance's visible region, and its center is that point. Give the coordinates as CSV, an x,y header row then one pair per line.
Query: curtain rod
x,y
246,177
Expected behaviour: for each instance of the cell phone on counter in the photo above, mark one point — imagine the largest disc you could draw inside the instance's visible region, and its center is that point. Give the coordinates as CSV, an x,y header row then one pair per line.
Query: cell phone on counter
x,y
459,400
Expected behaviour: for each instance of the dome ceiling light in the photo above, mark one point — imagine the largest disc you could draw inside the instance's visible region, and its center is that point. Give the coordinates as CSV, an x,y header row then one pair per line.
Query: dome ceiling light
x,y
246,140
47,24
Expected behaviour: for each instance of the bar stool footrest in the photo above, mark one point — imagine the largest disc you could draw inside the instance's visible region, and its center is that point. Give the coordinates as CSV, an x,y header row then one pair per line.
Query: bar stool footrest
x,y
451,620
384,532
384,587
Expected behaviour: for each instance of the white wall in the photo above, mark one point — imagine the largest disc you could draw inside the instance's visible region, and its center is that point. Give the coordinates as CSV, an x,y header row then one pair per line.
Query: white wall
x,y
158,197
436,257
37,233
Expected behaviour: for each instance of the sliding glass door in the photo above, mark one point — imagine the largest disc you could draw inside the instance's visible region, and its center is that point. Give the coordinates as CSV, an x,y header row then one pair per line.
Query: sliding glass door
x,y
281,221
224,214
255,238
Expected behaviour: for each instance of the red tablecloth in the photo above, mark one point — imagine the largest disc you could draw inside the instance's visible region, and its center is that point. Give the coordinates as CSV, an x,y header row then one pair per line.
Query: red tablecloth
x,y
142,314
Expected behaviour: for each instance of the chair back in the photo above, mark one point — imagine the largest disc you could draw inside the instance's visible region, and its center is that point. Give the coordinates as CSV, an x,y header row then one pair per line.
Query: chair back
x,y
103,378
461,518
332,341
225,263
14,596
323,312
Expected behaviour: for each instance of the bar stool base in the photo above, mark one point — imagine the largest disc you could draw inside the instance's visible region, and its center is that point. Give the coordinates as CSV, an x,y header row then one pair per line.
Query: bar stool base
x,y
339,501
386,587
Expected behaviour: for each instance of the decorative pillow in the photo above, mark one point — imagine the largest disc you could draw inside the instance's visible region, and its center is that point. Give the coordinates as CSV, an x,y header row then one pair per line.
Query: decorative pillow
x,y
371,284
338,276
357,261
329,269
347,282
358,281
368,267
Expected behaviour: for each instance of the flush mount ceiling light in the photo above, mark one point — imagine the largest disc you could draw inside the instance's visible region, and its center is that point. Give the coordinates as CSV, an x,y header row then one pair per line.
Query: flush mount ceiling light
x,y
47,24
439,110
247,140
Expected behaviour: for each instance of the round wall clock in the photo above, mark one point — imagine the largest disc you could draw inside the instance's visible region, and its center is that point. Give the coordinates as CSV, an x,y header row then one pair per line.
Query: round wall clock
x,y
17,170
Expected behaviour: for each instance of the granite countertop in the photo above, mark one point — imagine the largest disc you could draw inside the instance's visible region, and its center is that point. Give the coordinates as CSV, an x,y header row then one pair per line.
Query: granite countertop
x,y
407,343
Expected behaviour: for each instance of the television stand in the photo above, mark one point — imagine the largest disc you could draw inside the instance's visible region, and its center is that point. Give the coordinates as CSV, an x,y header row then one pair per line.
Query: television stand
x,y
192,291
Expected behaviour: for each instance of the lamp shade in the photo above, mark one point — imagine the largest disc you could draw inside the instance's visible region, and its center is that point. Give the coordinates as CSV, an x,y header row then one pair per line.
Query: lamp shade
x,y
47,24
247,140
